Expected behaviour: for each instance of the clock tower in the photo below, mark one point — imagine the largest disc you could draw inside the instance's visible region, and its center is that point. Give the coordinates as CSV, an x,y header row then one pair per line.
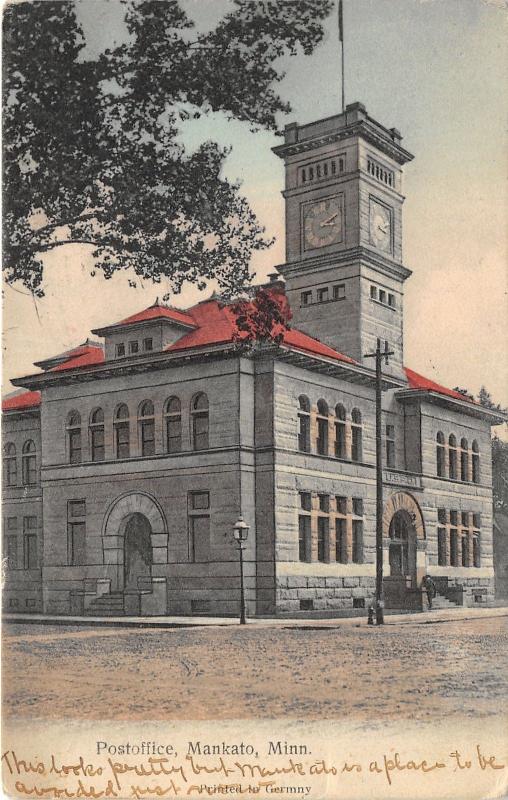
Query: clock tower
x,y
344,272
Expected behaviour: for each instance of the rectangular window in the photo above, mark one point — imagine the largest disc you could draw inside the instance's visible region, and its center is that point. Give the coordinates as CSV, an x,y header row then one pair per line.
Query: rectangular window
x,y
306,298
305,501
148,437
340,439
358,506
454,518
29,542
199,526
464,517
339,291
476,551
382,296
120,350
122,439
340,541
322,437
199,538
324,503
75,445
357,530
322,295
147,344
464,551
200,500
391,300
441,547
323,532
341,505
373,292
441,515
476,521
11,544
454,554
358,541
304,537
97,443
174,434
390,446
76,531
304,433
356,443
133,348
463,465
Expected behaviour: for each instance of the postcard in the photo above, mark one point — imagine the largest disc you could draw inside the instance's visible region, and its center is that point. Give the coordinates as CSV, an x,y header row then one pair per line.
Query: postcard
x,y
255,507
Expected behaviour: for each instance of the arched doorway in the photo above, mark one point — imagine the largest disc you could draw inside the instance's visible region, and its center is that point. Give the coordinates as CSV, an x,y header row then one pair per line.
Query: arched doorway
x,y
138,556
134,536
402,546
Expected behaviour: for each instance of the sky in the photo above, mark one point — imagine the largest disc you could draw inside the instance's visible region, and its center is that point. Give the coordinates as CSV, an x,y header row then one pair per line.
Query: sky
x,y
434,69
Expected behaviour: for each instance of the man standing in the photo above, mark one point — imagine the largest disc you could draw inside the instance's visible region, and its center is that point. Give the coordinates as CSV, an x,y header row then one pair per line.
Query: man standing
x,y
430,587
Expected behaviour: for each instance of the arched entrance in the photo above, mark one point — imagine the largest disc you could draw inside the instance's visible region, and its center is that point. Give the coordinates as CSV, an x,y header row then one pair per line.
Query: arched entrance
x,y
402,547
138,556
134,536
404,550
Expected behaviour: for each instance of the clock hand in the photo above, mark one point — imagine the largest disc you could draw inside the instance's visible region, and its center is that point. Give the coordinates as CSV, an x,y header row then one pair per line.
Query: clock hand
x,y
383,228
329,221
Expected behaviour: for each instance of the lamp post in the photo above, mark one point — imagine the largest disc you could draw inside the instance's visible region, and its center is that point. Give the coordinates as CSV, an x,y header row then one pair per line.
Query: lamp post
x,y
379,355
241,532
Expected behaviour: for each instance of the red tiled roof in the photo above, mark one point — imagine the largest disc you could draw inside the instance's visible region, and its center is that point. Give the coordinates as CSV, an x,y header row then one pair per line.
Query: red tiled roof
x,y
216,325
155,312
417,381
85,358
20,401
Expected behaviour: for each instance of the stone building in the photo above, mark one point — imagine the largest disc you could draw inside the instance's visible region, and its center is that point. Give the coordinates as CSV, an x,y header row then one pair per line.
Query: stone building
x,y
128,460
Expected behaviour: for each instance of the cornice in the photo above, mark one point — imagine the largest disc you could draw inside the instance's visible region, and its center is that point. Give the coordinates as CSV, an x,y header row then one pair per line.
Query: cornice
x,y
452,403
362,128
341,258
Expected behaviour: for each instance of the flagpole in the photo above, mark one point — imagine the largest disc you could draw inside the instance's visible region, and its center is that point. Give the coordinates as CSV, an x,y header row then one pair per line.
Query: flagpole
x,y
341,39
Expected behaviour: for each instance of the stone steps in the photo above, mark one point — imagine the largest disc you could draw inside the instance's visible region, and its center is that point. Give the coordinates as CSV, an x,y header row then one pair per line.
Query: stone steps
x,y
107,605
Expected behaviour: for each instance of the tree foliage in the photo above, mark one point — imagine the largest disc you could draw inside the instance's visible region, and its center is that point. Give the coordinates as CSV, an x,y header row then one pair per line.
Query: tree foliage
x,y
262,318
93,151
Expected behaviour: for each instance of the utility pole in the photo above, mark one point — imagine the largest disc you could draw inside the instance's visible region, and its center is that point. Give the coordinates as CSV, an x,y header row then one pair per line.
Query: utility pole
x,y
379,355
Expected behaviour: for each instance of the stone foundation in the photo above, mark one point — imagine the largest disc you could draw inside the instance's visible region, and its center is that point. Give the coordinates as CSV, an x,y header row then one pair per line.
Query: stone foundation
x,y
300,593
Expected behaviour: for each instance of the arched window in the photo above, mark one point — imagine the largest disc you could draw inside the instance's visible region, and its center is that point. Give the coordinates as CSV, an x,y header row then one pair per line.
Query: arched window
x,y
452,457
340,431
10,464
464,457
440,455
475,455
146,422
173,419
28,463
322,428
199,415
74,437
304,424
97,434
356,435
122,432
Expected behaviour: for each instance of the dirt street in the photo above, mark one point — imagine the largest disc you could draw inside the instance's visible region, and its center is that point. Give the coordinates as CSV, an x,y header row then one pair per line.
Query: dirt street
x,y
398,672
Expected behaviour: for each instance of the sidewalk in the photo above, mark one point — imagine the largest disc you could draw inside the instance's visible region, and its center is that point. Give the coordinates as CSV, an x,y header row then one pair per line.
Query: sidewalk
x,y
420,618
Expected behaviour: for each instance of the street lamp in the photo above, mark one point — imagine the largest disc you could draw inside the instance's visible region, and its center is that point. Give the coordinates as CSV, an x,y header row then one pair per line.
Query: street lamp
x,y
241,532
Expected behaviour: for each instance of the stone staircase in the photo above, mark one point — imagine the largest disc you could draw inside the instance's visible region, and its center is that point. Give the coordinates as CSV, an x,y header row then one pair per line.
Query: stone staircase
x,y
440,601
107,605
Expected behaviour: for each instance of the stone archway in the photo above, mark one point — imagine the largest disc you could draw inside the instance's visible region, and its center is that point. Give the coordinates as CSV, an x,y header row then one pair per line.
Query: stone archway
x,y
403,501
128,515
404,545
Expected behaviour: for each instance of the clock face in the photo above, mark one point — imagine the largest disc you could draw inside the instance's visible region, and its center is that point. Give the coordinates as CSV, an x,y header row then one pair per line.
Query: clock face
x,y
322,223
380,226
